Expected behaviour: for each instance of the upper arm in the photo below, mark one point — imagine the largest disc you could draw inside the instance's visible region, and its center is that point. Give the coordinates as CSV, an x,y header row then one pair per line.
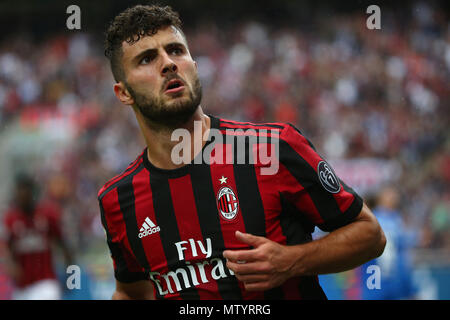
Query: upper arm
x,y
369,218
139,290
366,228
366,215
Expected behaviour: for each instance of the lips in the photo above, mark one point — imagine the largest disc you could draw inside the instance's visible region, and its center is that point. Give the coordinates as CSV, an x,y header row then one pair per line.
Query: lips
x,y
174,85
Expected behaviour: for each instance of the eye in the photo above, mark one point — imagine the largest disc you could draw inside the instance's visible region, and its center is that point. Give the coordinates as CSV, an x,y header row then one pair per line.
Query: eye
x,y
176,51
145,60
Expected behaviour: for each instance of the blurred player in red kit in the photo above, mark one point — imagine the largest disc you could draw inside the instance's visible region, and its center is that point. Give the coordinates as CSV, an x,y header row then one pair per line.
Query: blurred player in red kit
x,y
32,228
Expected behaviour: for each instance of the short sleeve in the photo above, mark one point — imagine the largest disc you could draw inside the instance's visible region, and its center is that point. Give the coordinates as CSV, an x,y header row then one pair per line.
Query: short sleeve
x,y
309,182
126,267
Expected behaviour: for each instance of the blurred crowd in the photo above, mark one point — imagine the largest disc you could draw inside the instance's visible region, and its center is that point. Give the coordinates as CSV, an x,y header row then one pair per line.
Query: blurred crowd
x,y
354,92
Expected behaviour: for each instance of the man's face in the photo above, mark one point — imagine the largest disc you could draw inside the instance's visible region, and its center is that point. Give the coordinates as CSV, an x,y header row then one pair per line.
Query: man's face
x,y
161,77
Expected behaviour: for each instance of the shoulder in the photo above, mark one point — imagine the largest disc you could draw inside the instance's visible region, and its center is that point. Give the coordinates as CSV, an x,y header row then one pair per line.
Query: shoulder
x,y
119,179
287,135
284,131
226,124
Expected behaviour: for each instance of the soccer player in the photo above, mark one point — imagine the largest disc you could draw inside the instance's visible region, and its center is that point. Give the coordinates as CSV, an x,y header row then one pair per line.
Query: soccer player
x,y
33,228
396,262
219,224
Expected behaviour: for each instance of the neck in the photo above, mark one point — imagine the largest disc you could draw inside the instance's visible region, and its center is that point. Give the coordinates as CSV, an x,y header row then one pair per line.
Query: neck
x,y
160,144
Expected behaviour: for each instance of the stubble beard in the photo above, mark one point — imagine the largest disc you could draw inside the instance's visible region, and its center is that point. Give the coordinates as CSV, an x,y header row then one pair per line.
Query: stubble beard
x,y
161,115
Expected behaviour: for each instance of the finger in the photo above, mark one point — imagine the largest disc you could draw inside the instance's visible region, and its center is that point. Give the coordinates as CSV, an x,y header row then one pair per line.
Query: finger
x,y
250,239
241,255
248,268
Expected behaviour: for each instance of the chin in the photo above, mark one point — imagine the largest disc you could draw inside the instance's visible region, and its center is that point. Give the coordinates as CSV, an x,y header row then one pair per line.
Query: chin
x,y
177,99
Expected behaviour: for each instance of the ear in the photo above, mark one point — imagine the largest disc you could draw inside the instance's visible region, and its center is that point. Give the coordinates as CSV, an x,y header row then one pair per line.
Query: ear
x,y
123,94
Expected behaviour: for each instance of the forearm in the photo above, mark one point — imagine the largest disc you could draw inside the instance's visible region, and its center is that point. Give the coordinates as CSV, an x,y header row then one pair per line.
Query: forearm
x,y
342,249
269,264
118,295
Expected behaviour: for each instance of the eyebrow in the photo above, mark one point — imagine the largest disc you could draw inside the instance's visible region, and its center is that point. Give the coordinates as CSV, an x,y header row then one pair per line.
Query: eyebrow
x,y
153,51
144,53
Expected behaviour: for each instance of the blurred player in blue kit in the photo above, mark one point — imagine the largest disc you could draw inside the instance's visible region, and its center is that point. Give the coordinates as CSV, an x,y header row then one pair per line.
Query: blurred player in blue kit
x,y
395,265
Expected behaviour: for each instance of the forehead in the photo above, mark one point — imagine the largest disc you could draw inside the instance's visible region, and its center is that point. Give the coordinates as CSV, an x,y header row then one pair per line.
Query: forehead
x,y
163,37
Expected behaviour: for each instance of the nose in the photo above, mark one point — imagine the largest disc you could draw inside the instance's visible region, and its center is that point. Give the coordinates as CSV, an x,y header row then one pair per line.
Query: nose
x,y
171,68
168,66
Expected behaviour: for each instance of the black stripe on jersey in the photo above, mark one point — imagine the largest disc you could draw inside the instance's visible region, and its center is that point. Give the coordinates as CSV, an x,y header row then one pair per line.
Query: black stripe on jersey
x,y
166,219
247,188
244,124
205,201
307,176
125,194
348,216
310,289
115,183
357,204
295,227
121,272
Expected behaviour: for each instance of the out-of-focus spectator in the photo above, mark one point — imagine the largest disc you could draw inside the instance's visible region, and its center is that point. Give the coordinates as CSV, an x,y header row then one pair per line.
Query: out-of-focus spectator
x,y
33,228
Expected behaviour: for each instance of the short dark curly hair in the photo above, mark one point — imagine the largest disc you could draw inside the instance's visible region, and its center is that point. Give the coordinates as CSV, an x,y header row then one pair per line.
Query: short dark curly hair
x,y
132,24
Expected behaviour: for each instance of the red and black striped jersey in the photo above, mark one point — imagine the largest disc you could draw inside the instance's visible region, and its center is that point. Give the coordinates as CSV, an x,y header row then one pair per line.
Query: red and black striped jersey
x,y
172,226
30,238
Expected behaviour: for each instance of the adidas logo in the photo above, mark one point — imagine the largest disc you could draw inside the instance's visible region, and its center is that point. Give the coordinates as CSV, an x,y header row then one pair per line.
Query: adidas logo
x,y
148,228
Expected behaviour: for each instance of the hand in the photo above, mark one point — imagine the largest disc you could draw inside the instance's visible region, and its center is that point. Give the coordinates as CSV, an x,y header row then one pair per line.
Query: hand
x,y
266,266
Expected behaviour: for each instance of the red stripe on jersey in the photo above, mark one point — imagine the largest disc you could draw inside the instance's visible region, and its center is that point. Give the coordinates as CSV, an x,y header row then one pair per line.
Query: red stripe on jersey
x,y
189,229
131,168
250,133
220,155
344,199
36,266
302,199
271,203
242,123
301,146
152,244
245,126
229,227
117,229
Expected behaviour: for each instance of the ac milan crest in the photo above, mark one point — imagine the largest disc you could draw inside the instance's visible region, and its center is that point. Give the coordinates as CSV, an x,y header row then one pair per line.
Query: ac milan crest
x,y
227,203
